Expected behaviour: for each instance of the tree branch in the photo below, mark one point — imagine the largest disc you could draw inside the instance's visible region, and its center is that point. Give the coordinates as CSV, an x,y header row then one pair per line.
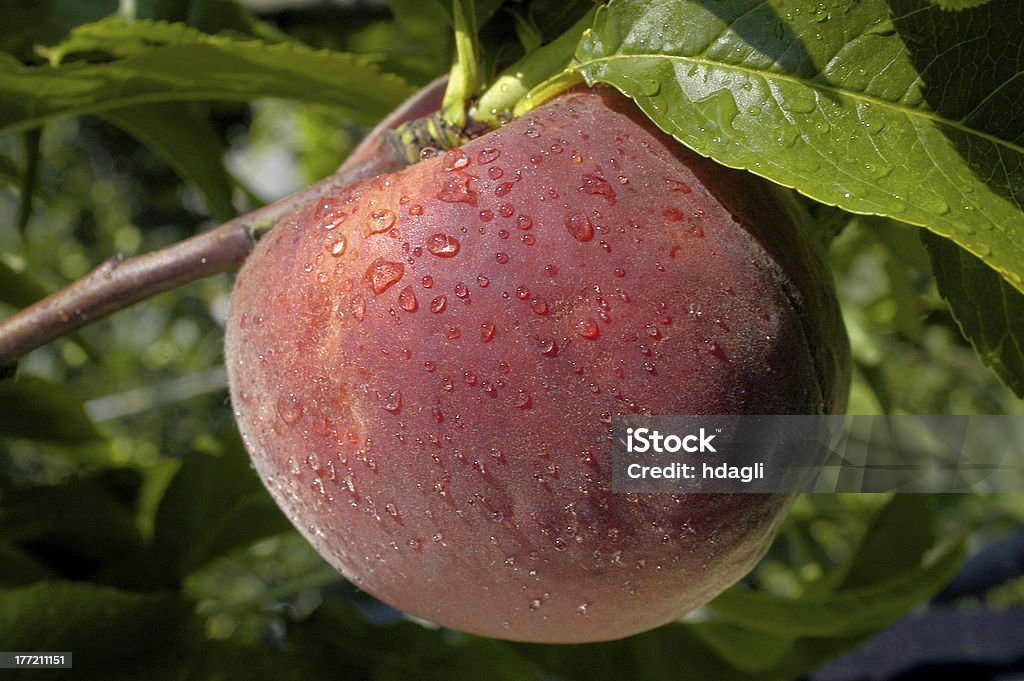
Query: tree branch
x,y
118,283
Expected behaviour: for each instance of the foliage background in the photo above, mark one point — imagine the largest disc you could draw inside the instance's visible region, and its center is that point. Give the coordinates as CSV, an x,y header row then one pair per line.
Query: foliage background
x,y
134,533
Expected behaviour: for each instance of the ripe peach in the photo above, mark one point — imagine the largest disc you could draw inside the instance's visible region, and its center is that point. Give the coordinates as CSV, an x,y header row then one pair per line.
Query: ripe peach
x,y
425,366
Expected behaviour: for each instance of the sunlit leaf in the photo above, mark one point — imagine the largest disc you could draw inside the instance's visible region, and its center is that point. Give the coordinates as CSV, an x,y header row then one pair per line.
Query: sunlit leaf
x,y
188,65
886,108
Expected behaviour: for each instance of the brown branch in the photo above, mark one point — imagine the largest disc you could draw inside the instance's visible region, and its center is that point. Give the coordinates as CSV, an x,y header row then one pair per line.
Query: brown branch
x,y
118,283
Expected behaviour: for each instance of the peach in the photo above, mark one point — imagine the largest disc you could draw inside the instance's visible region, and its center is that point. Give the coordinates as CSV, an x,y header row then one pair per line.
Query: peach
x,y
424,367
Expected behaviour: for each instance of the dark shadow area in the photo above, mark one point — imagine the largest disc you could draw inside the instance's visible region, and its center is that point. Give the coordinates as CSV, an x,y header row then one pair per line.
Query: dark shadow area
x,y
971,64
765,31
938,644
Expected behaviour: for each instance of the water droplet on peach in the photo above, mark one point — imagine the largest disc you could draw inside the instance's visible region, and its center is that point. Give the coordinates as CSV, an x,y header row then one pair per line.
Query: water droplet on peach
x,y
678,186
407,299
487,331
588,328
596,185
548,347
438,304
392,401
442,245
289,408
456,190
338,247
382,274
579,227
357,306
328,207
488,155
454,159
380,221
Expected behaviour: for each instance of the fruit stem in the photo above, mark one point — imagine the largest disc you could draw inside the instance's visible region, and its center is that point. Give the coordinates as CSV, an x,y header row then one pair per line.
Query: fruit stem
x,y
513,89
464,81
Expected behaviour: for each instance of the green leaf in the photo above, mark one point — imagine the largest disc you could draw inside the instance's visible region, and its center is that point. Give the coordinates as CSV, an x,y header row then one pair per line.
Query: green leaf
x,y
118,635
989,311
554,17
188,65
405,650
18,288
9,175
845,613
907,521
17,568
428,26
535,67
214,16
184,138
214,505
958,4
81,529
111,633
885,108
673,651
36,409
43,22
747,650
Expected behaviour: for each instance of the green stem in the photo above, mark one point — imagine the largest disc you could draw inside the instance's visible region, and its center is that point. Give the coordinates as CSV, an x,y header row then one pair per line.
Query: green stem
x,y
464,81
544,67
